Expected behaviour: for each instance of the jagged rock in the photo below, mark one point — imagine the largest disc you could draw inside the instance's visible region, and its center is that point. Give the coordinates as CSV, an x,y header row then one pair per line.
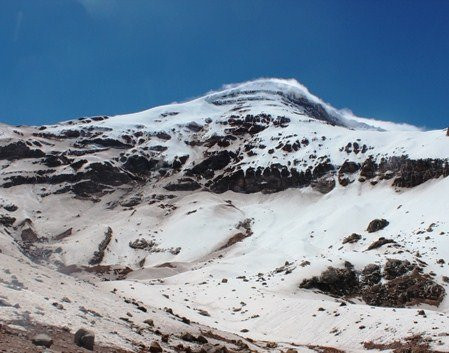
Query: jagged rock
x,y
19,150
105,142
141,244
193,126
405,290
64,234
42,340
131,202
267,180
7,221
98,255
163,135
335,281
183,184
139,164
415,172
10,208
349,167
78,164
371,275
376,225
202,340
380,242
188,337
394,268
29,236
53,161
403,284
324,185
215,162
149,322
369,168
353,238
85,339
155,347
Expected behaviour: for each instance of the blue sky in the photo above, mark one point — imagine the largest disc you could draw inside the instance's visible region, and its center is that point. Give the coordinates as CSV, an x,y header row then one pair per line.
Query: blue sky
x,y
61,59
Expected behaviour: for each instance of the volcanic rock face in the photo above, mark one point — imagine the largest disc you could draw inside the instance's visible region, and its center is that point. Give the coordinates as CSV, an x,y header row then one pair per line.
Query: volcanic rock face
x,y
246,192
19,150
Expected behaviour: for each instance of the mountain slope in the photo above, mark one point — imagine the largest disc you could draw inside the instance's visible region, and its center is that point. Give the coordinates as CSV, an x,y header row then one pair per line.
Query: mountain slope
x,y
248,210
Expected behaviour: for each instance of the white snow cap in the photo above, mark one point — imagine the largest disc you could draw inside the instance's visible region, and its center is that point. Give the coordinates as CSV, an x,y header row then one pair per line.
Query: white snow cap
x,y
294,88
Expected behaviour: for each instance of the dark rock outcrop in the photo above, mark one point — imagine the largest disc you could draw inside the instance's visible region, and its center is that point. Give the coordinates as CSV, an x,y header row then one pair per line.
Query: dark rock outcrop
x,y
7,221
410,289
19,150
183,184
99,255
349,167
371,275
376,225
394,268
334,281
139,164
215,162
353,238
380,242
403,284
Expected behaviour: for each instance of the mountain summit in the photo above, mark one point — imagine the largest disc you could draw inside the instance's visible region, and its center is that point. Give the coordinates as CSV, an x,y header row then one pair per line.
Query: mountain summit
x,y
241,220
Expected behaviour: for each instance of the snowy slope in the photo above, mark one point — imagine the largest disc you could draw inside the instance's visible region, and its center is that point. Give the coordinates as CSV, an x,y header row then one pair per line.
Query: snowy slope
x,y
222,208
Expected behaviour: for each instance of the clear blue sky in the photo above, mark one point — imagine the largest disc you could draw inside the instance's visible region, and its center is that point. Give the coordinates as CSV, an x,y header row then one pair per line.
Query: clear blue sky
x,y
61,59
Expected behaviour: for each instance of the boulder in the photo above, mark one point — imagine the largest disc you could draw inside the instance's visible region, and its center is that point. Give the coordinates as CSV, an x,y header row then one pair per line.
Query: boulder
x,y
85,339
376,225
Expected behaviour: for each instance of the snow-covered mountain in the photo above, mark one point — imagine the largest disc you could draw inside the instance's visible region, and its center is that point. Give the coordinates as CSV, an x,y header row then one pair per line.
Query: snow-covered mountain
x,y
257,216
